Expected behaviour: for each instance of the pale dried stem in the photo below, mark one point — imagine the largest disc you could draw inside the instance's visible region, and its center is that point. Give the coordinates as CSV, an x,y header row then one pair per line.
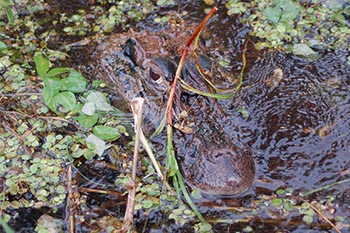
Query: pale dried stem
x,y
136,107
150,154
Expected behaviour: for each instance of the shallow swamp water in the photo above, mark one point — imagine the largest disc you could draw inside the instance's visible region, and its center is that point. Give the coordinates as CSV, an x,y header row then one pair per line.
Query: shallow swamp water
x,y
294,114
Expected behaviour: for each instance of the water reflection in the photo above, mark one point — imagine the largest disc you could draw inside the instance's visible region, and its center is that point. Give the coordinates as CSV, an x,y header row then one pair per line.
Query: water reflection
x,y
298,128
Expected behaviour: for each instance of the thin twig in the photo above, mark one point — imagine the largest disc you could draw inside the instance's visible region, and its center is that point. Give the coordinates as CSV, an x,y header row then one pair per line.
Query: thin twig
x,y
70,200
40,117
20,94
101,191
324,217
8,128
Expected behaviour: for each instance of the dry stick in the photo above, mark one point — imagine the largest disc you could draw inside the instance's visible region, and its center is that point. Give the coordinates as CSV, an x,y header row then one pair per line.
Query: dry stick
x,y
9,129
324,217
136,107
101,191
40,117
70,200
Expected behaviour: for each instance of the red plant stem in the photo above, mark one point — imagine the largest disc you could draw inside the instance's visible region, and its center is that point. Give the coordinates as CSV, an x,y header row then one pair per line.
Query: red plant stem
x,y
181,63
201,25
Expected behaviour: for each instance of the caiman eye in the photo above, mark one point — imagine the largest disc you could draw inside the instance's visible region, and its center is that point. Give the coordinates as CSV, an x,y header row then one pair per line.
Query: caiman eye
x,y
155,74
134,50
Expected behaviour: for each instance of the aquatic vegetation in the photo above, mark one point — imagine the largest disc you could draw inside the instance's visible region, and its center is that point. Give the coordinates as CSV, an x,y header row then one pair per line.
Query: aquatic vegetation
x,y
119,14
300,27
36,175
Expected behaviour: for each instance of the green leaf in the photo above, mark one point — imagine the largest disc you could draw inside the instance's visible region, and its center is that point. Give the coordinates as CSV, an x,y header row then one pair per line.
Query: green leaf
x,y
290,11
303,50
188,212
288,205
100,101
305,205
75,82
4,3
223,63
273,14
171,163
147,204
12,187
89,108
310,212
87,121
52,86
280,191
334,4
165,2
340,18
34,168
160,126
60,189
58,71
277,202
2,145
98,143
64,102
88,154
187,197
196,194
106,132
307,219
42,65
243,111
10,16
3,48
248,229
203,227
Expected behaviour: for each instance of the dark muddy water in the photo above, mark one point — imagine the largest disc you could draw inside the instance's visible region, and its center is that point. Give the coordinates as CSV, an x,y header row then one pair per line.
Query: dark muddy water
x,y
298,123
299,129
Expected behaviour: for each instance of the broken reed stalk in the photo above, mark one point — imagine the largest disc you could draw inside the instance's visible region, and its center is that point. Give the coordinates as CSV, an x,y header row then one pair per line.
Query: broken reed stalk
x,y
136,107
151,155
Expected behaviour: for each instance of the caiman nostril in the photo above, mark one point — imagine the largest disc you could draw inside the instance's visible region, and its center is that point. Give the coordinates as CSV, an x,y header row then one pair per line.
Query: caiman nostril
x,y
134,50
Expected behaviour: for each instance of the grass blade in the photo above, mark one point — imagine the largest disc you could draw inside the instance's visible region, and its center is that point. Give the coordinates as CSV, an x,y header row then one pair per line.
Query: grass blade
x,y
203,93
